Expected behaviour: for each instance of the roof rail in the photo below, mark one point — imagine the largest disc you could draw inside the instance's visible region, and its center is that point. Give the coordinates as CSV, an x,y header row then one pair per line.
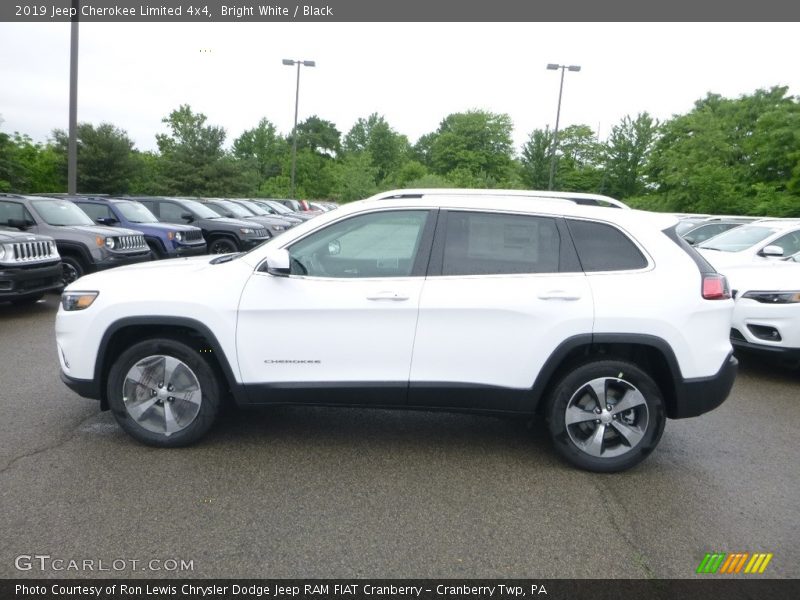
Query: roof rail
x,y
574,197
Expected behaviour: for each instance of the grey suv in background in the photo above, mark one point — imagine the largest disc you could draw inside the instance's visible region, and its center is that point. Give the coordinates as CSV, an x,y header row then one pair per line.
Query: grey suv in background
x,y
232,210
84,247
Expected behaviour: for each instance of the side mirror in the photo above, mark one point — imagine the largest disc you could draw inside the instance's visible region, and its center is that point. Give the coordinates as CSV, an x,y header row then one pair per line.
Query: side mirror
x,y
187,216
771,251
110,221
334,247
689,240
277,263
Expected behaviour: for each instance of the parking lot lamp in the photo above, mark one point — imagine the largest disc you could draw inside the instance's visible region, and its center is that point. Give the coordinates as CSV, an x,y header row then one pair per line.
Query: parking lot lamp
x,y
290,63
555,67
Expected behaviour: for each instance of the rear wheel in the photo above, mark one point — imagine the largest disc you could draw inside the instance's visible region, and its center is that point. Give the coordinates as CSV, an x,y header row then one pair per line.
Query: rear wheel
x,y
163,393
606,416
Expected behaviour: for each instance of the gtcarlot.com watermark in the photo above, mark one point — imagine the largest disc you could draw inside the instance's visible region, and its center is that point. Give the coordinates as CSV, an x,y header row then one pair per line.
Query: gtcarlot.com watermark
x,y
45,562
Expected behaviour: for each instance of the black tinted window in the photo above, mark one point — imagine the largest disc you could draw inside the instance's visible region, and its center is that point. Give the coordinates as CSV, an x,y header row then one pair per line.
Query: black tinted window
x,y
602,247
171,212
95,211
486,244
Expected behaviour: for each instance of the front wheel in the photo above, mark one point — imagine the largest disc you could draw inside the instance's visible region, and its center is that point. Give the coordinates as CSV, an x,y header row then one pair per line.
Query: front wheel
x,y
72,268
606,416
163,393
222,246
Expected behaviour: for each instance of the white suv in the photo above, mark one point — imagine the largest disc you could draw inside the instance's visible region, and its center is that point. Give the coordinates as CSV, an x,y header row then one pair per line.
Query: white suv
x,y
602,320
753,243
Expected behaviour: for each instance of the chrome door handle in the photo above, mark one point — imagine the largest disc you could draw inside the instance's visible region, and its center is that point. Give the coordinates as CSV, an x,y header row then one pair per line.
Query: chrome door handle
x,y
558,295
392,296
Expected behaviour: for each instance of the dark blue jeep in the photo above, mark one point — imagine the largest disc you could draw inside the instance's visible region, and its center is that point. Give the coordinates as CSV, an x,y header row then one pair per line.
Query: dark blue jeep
x,y
166,240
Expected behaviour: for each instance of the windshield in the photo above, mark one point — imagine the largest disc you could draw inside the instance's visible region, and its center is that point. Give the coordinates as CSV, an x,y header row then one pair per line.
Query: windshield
x,y
253,207
61,212
685,226
280,208
235,209
738,239
201,211
135,212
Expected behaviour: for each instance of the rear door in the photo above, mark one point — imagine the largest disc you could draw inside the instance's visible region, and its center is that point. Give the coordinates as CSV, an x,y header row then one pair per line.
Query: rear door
x,y
504,290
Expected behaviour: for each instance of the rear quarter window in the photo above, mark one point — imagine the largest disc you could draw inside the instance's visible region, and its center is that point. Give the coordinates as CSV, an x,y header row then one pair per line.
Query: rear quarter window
x,y
602,247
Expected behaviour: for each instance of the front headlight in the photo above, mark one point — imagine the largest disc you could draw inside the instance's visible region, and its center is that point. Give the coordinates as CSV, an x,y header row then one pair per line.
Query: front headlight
x,y
77,300
2,252
110,243
246,231
279,228
179,236
774,297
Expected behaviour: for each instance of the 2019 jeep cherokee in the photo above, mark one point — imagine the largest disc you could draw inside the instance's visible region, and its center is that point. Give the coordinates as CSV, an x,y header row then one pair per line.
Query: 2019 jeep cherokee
x,y
602,320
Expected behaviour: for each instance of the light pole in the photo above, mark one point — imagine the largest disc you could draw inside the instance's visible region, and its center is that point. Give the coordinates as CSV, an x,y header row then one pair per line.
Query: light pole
x,y
290,63
554,67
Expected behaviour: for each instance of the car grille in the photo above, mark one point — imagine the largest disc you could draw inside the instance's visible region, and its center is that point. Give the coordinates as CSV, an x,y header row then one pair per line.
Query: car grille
x,y
29,252
193,236
130,242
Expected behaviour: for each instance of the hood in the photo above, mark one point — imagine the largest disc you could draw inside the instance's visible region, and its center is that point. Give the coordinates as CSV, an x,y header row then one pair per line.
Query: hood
x,y
145,273
232,222
12,235
777,276
103,230
165,227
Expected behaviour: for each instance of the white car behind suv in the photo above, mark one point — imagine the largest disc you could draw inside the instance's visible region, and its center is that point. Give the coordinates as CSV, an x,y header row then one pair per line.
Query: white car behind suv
x,y
753,243
602,320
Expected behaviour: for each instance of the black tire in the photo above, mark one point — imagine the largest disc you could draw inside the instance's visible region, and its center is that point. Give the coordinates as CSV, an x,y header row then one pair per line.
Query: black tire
x,y
155,250
27,299
72,268
146,426
625,437
222,245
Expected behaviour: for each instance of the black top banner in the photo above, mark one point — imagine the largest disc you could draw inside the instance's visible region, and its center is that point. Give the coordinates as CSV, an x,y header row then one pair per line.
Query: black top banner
x,y
215,11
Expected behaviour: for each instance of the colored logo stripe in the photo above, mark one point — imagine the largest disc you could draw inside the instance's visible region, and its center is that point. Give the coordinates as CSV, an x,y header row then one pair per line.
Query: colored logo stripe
x,y
723,563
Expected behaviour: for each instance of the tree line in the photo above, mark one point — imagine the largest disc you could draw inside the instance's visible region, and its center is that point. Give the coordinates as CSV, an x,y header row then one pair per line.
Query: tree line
x,y
725,156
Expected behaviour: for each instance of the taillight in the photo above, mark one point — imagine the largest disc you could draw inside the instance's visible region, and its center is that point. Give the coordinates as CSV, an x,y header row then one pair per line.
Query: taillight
x,y
715,287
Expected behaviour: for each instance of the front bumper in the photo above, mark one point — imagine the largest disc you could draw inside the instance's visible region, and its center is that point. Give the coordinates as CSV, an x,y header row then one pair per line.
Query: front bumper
x,y
694,397
190,250
783,352
88,388
249,243
29,280
119,260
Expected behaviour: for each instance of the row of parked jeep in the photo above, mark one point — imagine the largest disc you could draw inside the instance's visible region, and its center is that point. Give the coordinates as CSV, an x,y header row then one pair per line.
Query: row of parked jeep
x,y
47,242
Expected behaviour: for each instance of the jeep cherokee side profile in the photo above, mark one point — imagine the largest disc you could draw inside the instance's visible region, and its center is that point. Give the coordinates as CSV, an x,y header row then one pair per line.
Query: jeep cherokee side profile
x,y
84,246
602,320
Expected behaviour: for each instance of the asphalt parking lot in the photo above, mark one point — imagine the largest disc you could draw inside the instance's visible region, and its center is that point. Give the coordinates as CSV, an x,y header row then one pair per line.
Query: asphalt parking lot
x,y
316,492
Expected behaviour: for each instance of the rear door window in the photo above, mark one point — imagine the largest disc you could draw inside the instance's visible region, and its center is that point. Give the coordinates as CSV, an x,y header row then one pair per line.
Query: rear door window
x,y
602,247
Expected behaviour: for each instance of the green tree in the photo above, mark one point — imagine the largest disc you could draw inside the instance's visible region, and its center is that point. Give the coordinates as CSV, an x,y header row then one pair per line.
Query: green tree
x,y
625,156
194,161
386,148
477,143
318,135
106,164
536,159
731,156
262,152
354,177
578,160
27,167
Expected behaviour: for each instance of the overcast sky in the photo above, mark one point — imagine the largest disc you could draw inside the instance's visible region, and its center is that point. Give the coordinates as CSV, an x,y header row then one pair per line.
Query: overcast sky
x,y
414,74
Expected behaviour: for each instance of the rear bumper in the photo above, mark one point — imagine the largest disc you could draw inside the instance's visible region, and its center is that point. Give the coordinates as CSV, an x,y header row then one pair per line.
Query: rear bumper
x,y
21,282
694,397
